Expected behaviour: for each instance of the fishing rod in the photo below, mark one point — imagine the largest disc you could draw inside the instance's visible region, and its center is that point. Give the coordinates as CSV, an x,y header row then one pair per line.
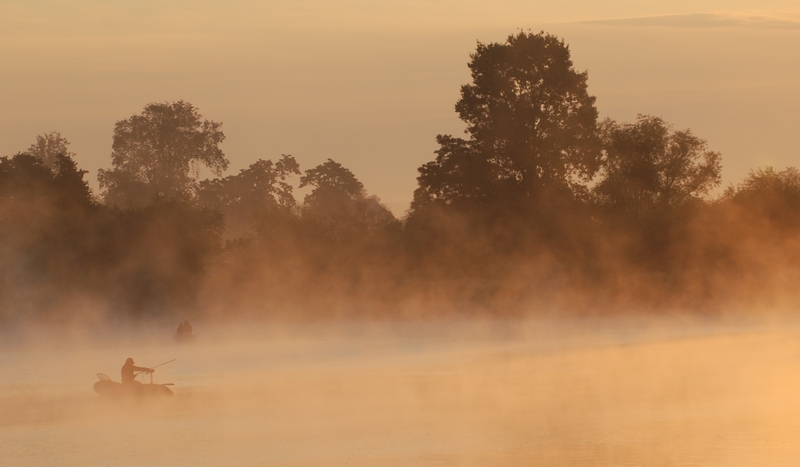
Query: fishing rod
x,y
160,364
153,368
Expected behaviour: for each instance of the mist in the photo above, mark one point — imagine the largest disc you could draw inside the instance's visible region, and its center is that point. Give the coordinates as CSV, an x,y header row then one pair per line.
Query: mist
x,y
612,392
565,288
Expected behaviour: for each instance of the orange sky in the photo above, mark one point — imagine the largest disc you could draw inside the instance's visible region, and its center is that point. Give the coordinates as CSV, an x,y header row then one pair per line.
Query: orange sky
x,y
370,83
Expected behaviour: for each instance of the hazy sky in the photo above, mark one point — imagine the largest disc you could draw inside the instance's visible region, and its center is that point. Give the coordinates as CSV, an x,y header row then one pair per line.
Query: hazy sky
x,y
371,83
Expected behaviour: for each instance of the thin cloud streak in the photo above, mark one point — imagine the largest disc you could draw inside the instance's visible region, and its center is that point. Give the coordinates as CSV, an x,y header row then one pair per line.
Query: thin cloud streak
x,y
703,20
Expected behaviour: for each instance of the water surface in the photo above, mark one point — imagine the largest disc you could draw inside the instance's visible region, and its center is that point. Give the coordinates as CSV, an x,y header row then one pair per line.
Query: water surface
x,y
397,394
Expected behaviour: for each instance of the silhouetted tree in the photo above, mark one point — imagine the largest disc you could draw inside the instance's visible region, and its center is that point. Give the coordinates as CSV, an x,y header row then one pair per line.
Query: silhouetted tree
x,y
334,188
461,175
339,203
25,178
255,193
46,231
649,167
159,153
331,175
48,146
531,124
768,193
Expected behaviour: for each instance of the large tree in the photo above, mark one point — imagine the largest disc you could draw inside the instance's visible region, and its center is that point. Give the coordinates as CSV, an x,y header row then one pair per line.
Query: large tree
x,y
159,152
649,167
531,124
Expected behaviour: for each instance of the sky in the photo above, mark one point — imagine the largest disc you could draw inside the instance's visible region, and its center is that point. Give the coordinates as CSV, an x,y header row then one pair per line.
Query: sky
x,y
371,83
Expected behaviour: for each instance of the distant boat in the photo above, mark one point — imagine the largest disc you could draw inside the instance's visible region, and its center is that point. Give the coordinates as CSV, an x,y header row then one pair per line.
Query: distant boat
x,y
112,389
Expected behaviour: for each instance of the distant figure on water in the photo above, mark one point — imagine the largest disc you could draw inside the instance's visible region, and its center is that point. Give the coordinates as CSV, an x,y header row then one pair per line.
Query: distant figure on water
x,y
128,369
184,332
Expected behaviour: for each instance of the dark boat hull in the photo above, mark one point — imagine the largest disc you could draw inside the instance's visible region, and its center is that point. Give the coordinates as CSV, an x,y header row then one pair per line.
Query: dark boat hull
x,y
115,390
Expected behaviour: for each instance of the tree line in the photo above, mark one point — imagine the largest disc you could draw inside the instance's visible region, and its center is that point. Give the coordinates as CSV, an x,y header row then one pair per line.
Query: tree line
x,y
541,206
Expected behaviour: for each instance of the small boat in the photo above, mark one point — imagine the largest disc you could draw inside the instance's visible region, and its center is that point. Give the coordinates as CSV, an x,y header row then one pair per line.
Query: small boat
x,y
184,333
108,388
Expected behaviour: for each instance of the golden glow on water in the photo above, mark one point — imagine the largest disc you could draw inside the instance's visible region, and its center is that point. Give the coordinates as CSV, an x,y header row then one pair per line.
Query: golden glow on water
x,y
693,396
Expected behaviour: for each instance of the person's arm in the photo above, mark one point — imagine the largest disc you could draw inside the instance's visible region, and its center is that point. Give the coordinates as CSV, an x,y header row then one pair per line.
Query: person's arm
x,y
143,369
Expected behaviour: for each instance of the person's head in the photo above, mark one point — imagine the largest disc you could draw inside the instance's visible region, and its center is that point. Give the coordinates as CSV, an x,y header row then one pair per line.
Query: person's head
x,y
129,361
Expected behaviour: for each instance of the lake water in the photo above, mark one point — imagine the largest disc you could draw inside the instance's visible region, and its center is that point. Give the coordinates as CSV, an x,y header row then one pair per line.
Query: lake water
x,y
603,393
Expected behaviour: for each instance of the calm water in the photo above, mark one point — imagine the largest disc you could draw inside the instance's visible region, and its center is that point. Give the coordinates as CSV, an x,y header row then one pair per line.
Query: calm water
x,y
607,395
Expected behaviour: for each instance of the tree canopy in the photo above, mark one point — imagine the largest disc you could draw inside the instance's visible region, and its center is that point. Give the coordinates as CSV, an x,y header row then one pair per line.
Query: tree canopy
x,y
159,153
649,166
263,183
333,184
773,194
537,208
531,124
338,204
254,192
25,178
48,146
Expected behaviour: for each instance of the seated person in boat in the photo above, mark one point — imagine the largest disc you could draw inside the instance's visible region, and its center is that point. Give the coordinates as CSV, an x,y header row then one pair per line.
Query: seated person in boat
x,y
128,370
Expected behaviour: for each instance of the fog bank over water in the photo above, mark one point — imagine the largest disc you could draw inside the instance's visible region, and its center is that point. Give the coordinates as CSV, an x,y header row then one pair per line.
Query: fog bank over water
x,y
593,392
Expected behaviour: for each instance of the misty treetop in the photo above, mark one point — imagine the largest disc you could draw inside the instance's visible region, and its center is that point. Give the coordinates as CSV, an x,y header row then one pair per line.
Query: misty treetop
x,y
159,153
539,206
48,147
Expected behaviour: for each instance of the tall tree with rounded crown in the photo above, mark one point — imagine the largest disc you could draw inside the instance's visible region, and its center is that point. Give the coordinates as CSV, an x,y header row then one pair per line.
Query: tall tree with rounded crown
x,y
159,152
531,124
